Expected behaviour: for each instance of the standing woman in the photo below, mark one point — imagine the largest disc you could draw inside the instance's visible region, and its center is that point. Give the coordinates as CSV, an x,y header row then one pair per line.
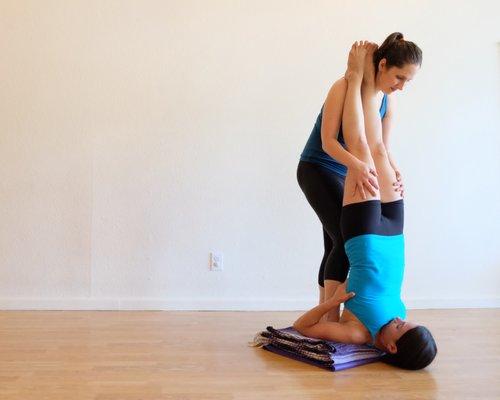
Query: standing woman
x,y
324,162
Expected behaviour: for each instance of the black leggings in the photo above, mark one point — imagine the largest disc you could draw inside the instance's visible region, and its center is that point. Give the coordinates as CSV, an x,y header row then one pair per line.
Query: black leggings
x,y
324,191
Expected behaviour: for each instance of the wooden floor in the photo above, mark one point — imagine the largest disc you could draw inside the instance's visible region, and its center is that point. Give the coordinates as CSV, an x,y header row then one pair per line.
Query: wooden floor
x,y
150,355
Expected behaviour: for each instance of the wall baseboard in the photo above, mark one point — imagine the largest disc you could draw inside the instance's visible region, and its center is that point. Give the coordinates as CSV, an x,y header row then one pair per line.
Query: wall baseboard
x,y
210,304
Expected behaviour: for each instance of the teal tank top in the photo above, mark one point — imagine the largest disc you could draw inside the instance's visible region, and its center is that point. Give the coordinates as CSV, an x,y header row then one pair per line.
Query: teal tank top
x,y
375,276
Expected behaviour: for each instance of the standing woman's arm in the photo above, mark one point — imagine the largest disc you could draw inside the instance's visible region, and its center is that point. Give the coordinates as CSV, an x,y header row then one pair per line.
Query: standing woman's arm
x,y
330,126
387,123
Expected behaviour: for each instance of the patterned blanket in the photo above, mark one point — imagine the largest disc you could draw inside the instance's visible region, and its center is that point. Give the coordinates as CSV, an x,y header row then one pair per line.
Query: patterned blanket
x,y
322,353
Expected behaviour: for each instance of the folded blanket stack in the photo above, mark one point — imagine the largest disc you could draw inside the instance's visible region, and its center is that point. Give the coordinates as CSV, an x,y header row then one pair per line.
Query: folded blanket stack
x,y
322,353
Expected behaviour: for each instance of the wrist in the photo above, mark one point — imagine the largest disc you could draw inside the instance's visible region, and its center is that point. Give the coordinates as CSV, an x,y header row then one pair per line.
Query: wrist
x,y
353,162
332,302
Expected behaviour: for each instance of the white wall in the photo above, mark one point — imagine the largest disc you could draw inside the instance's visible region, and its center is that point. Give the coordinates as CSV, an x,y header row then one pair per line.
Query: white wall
x,y
137,136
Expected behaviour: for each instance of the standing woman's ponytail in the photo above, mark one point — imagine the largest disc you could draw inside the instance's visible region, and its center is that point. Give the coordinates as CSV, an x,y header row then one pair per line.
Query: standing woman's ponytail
x,y
398,52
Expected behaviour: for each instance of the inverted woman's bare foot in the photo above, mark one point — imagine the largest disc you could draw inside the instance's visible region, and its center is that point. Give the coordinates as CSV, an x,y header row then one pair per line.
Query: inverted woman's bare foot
x,y
369,67
356,62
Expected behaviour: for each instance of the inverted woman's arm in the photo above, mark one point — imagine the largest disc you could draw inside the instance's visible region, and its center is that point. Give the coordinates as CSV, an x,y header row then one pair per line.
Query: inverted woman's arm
x,y
309,325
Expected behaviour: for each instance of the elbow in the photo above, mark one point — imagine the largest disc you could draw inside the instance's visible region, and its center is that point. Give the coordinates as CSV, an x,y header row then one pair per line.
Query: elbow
x,y
327,142
358,337
304,330
358,340
299,327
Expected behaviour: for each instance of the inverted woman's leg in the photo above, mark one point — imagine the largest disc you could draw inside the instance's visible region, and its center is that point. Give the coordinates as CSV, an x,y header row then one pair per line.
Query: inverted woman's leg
x,y
353,122
354,136
373,130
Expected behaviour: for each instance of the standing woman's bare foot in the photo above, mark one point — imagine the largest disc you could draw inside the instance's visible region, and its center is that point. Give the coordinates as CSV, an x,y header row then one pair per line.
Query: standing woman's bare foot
x,y
356,61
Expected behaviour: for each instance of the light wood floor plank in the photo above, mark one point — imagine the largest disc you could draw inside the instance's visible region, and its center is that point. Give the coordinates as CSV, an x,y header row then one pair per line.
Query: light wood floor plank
x,y
158,355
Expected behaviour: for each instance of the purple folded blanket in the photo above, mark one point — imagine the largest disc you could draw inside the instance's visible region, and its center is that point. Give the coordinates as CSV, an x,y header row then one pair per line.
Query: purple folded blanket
x,y
333,356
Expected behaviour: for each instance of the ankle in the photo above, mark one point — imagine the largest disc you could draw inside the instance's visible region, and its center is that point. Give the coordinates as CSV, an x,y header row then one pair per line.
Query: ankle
x,y
368,90
354,78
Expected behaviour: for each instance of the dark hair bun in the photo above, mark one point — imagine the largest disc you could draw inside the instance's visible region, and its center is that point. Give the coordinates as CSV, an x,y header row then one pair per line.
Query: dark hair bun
x,y
393,37
397,51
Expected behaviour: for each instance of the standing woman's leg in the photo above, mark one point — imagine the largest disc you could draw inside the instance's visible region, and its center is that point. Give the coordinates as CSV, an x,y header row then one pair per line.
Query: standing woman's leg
x,y
334,267
328,245
324,190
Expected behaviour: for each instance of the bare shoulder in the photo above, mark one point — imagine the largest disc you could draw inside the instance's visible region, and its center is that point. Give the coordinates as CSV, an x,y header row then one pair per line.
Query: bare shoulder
x,y
358,330
391,103
336,94
359,333
339,86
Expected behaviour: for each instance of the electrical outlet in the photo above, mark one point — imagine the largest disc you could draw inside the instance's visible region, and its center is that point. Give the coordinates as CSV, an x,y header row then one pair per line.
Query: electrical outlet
x,y
216,261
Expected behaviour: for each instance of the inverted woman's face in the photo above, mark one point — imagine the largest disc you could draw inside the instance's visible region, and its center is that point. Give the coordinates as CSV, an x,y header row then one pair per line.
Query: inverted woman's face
x,y
395,329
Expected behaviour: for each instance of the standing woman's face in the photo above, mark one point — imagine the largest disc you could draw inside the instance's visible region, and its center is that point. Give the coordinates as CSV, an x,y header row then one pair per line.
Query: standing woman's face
x,y
393,78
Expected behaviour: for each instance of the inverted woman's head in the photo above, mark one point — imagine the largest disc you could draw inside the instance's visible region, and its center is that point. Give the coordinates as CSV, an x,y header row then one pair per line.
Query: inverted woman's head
x,y
407,345
396,61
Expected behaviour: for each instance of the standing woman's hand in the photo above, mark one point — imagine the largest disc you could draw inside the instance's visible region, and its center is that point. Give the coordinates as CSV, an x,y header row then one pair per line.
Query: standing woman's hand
x,y
365,178
398,185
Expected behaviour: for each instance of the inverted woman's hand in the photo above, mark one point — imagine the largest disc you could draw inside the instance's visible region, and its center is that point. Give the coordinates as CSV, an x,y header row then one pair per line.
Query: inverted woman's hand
x,y
365,177
340,295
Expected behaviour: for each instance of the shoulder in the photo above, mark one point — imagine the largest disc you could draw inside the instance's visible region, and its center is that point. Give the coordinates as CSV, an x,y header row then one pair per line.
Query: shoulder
x,y
356,332
339,86
390,104
336,94
360,334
